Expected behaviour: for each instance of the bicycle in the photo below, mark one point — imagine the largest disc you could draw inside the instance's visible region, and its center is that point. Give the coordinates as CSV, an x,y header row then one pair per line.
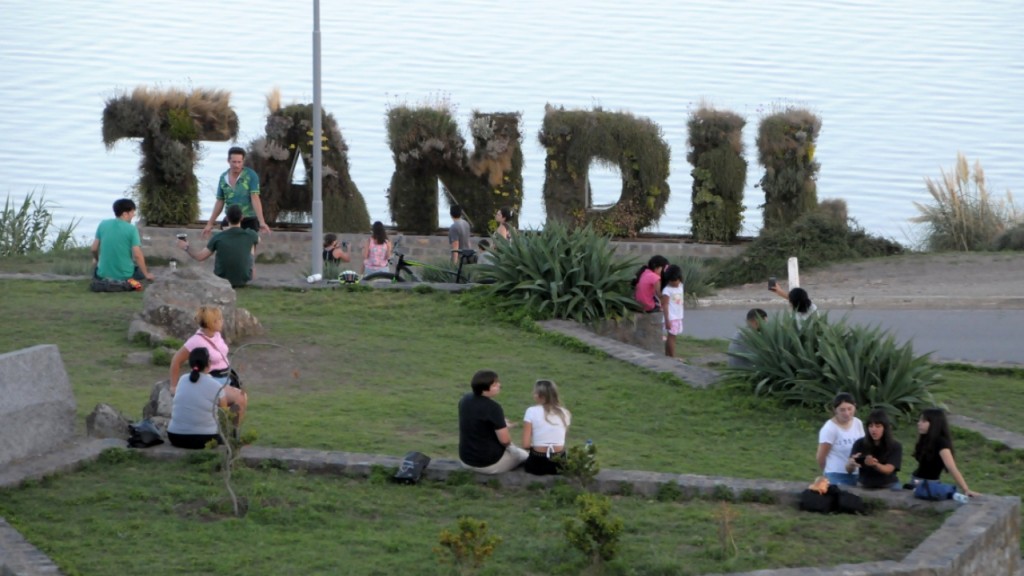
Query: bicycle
x,y
404,267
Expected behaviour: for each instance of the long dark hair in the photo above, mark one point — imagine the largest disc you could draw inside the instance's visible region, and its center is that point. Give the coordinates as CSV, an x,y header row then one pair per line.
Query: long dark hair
x,y
380,235
885,443
198,360
670,273
656,261
799,300
938,429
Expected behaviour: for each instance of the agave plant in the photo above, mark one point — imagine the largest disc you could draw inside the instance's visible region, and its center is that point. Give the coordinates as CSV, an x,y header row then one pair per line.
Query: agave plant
x,y
810,363
561,273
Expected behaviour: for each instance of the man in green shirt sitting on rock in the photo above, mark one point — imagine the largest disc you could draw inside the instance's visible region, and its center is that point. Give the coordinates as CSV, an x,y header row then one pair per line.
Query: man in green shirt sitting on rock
x,y
233,247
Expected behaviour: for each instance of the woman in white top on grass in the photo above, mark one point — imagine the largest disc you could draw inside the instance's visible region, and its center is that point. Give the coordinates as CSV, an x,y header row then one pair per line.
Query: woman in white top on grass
x,y
544,427
836,438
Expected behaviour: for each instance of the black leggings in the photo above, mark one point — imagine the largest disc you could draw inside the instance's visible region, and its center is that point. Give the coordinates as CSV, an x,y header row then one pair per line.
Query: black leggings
x,y
192,441
541,465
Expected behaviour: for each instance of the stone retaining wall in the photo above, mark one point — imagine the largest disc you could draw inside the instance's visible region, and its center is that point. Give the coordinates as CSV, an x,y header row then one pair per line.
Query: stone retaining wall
x,y
297,245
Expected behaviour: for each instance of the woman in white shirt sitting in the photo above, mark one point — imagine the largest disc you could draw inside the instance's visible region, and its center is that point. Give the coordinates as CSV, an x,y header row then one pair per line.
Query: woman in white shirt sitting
x,y
193,414
544,428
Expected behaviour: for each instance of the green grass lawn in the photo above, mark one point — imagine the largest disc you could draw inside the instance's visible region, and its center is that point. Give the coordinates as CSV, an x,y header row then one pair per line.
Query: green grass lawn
x,y
989,396
132,515
382,372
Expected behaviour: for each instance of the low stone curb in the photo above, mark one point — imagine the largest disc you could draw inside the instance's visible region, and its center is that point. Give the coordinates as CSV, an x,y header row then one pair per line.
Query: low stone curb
x,y
695,376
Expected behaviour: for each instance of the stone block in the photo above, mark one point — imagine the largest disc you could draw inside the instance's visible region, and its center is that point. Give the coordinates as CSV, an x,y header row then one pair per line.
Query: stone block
x,y
37,407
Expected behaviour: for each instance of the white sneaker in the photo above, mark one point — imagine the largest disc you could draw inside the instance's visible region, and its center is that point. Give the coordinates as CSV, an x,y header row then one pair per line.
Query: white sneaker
x,y
961,498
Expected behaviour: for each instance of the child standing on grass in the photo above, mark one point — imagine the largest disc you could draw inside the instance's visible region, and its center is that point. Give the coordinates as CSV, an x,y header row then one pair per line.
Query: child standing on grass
x,y
672,306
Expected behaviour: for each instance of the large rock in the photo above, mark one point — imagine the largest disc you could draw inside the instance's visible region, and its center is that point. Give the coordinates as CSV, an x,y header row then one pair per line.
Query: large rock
x,y
106,422
160,401
37,407
169,307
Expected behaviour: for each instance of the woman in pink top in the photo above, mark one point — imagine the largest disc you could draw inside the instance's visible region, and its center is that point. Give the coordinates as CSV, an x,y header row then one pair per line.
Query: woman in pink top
x,y
211,322
377,251
647,284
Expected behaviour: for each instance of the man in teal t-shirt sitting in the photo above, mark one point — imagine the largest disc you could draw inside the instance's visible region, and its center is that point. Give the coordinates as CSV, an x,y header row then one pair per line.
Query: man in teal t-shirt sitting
x,y
233,247
117,250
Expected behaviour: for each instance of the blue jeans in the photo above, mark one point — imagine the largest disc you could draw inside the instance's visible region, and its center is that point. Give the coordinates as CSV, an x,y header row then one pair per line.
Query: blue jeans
x,y
841,479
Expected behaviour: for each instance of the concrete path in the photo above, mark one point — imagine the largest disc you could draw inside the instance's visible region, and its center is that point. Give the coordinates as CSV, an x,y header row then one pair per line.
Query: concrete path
x,y
990,337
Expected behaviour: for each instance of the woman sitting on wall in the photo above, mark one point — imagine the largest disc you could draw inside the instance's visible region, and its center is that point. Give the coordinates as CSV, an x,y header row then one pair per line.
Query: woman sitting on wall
x,y
647,284
194,412
377,251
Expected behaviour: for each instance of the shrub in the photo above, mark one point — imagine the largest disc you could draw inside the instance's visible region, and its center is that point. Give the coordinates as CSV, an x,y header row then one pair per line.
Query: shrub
x,y
817,238
1011,239
427,146
809,364
785,143
288,142
964,216
575,139
719,174
469,547
25,229
172,124
581,465
593,531
697,278
562,274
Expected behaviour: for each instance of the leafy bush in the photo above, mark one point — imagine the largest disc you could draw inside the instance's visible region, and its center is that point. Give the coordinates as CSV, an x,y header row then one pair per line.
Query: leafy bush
x,y
785,143
964,216
817,238
719,174
581,465
562,274
25,229
697,278
593,531
1012,239
809,364
467,548
575,139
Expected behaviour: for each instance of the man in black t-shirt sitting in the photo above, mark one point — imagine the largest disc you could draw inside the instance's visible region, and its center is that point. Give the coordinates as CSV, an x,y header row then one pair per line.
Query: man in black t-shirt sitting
x,y
484,442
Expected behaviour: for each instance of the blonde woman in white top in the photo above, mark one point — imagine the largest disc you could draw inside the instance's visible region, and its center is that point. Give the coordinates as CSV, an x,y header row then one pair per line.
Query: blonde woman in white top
x,y
544,427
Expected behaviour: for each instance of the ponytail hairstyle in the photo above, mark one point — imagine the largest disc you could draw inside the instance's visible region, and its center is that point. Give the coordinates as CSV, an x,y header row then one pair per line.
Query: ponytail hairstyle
x,y
547,393
669,274
198,361
656,261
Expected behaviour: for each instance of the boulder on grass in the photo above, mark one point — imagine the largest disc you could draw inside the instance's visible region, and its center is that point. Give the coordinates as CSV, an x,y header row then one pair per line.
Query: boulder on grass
x,y
169,307
106,422
160,401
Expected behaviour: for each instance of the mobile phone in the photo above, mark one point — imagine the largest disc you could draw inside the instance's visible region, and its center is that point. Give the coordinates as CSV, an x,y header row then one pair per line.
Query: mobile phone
x,y
344,244
772,282
182,236
860,459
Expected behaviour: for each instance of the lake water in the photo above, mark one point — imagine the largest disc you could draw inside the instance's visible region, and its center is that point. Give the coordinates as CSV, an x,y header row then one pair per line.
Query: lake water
x,y
901,86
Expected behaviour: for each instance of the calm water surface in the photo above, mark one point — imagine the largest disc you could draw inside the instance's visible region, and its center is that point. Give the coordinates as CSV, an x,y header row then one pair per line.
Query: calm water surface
x,y
901,86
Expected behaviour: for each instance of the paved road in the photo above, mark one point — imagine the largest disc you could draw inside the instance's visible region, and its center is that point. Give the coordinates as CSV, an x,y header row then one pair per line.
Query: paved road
x,y
988,336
